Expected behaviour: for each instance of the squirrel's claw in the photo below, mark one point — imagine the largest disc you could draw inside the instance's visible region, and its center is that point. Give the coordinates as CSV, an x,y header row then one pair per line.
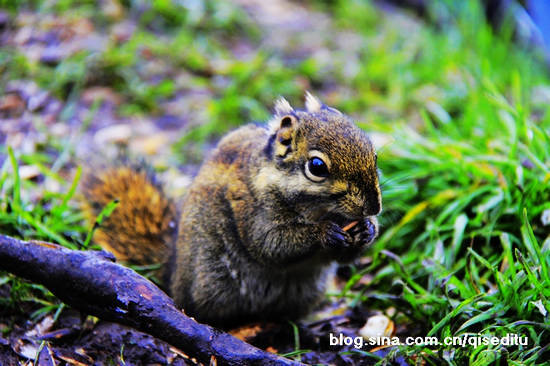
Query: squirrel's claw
x,y
338,238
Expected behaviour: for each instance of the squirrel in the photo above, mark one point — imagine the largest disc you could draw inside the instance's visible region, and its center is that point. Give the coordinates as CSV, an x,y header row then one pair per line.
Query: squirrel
x,y
257,232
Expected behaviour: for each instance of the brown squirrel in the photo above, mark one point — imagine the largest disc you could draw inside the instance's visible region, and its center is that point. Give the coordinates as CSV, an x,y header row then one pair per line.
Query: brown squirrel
x,y
263,220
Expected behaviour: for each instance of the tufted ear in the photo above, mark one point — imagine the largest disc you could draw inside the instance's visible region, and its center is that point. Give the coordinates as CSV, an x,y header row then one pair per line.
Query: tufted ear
x,y
313,104
282,107
285,135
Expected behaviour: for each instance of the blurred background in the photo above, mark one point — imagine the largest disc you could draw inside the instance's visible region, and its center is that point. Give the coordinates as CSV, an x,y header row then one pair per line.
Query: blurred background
x,y
186,71
455,95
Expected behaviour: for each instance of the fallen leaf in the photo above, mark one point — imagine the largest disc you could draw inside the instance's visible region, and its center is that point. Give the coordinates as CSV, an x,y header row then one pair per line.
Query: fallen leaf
x,y
25,348
12,104
246,332
41,328
377,326
116,133
46,357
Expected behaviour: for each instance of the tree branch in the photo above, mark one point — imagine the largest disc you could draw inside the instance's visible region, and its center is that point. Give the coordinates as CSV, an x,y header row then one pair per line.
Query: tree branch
x,y
91,282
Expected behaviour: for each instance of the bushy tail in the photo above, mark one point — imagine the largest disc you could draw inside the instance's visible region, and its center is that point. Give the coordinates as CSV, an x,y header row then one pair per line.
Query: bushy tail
x,y
143,227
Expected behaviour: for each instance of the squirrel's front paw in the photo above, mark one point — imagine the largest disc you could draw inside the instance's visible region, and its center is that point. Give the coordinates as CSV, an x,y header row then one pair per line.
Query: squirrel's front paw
x,y
364,231
336,237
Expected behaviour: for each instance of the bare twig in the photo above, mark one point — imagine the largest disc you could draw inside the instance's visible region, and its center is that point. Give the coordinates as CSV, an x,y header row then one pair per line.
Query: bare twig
x,y
91,282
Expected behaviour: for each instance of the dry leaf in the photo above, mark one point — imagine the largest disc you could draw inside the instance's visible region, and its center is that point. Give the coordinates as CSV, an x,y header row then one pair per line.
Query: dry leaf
x,y
377,326
246,332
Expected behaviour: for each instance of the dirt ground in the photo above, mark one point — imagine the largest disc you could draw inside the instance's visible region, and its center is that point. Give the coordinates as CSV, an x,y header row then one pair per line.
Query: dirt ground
x,y
78,339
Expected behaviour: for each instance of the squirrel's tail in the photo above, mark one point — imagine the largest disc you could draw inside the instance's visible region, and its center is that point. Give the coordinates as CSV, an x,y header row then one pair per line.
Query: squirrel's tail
x,y
143,226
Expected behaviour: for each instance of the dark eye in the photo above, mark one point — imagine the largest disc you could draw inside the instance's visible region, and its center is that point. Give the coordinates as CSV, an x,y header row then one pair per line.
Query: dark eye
x,y
316,169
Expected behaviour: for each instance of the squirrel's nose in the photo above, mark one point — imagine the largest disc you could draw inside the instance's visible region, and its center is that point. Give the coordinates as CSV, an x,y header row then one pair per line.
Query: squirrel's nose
x,y
373,206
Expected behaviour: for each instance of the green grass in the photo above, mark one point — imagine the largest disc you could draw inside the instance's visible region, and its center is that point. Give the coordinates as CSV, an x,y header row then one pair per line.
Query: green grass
x,y
465,175
463,245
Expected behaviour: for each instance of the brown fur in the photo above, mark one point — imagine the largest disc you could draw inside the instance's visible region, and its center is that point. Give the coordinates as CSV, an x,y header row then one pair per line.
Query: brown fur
x,y
256,234
144,224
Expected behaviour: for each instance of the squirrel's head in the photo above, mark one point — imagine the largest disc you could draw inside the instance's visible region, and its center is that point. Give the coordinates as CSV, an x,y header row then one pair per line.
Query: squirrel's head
x,y
324,165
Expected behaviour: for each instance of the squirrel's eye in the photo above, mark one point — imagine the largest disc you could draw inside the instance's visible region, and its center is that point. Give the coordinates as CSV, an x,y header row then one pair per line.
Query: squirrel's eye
x,y
316,169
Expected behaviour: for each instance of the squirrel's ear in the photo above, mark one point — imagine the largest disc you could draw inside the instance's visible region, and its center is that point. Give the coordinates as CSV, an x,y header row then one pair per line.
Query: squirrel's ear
x,y
282,107
313,104
285,135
